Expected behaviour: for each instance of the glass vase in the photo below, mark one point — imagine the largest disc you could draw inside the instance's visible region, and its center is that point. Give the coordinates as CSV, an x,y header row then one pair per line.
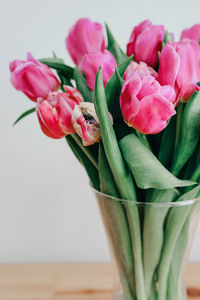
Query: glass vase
x,y
166,232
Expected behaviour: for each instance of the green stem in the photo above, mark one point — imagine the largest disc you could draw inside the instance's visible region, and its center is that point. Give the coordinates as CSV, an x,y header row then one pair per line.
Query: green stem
x,y
85,161
174,283
85,149
174,277
176,221
153,233
178,122
116,226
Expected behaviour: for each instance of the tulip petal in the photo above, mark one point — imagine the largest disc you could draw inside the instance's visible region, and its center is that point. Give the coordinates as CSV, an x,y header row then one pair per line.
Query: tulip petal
x,y
91,63
148,44
136,31
33,78
48,119
85,37
149,86
129,102
64,110
168,66
168,92
187,76
154,113
191,33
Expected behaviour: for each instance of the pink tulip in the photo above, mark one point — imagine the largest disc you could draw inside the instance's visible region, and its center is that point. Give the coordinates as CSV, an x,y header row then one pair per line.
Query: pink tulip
x,y
179,67
86,123
192,33
146,105
145,42
91,63
141,69
33,78
85,37
55,112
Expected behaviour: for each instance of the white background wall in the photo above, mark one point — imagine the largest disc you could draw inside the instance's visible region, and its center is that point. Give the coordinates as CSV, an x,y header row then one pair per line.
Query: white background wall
x,y
47,211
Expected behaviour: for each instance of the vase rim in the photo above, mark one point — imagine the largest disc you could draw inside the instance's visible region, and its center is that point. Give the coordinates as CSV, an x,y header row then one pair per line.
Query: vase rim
x,y
150,204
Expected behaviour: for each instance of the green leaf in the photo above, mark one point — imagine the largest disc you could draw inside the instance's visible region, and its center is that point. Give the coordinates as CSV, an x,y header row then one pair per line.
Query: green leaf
x,y
146,168
64,80
113,86
143,139
123,179
114,47
58,65
50,60
167,38
120,173
167,143
26,113
81,85
107,183
189,134
118,76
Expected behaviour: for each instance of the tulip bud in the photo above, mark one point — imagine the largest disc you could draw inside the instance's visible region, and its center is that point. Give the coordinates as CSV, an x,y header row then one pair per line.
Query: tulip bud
x,y
86,123
85,37
33,78
91,63
141,69
146,106
55,112
192,33
179,67
145,42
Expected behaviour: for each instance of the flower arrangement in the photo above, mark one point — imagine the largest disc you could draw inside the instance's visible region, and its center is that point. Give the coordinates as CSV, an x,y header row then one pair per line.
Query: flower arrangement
x,y
133,121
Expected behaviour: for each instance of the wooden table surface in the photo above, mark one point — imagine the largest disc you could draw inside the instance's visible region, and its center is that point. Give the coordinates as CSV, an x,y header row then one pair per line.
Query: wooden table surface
x,y
69,281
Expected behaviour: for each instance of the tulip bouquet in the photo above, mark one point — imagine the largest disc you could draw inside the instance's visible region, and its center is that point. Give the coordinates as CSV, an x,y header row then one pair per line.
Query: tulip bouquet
x,y
133,121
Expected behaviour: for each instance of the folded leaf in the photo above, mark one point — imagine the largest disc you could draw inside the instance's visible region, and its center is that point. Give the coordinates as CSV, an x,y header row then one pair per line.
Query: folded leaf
x,y
58,65
26,113
146,168
114,47
189,134
81,85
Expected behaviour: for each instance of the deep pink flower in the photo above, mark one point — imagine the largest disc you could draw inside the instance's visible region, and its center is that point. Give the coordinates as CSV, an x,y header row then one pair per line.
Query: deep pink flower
x,y
91,63
85,37
55,112
146,105
192,33
179,67
145,42
140,69
33,78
